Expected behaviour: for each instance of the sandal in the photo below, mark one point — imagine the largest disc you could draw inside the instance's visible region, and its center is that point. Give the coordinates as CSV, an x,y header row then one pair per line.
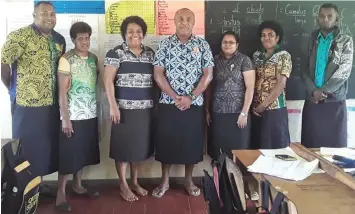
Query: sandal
x,y
88,193
159,192
193,190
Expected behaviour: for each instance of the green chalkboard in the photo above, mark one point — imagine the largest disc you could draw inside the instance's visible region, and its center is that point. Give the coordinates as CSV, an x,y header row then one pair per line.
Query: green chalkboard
x,y
298,20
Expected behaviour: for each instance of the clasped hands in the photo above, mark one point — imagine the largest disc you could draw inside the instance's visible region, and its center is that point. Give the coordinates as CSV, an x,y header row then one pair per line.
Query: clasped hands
x,y
318,95
183,102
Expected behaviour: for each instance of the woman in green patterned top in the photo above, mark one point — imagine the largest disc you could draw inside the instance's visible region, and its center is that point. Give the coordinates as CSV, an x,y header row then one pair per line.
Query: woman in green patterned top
x,y
79,143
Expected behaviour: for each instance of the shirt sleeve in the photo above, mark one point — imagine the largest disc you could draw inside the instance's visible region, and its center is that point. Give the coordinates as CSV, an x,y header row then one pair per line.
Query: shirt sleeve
x,y
247,65
284,65
63,66
207,57
113,58
13,48
160,55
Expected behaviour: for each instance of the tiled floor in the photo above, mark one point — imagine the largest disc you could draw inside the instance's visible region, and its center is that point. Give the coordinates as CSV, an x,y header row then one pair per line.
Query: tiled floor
x,y
175,201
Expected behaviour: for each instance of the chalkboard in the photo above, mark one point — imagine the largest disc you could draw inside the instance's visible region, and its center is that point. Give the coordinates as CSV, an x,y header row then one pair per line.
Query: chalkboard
x,y
298,20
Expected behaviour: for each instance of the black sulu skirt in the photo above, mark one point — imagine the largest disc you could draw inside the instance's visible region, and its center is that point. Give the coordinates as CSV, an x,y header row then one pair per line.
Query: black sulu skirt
x,y
270,131
324,124
225,135
131,139
179,135
38,130
81,149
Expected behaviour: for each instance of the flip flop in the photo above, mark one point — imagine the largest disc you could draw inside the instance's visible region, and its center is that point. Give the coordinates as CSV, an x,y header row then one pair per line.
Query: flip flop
x,y
193,190
88,193
159,192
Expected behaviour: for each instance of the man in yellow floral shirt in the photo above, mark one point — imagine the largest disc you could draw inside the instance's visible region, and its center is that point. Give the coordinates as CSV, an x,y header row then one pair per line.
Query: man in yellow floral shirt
x,y
28,69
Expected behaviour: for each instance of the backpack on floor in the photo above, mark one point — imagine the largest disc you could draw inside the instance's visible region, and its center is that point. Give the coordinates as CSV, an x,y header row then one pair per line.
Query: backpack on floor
x,y
224,192
19,185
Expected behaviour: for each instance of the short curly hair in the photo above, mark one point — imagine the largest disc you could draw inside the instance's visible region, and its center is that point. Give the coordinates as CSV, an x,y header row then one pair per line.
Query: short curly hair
x,y
133,19
273,25
79,27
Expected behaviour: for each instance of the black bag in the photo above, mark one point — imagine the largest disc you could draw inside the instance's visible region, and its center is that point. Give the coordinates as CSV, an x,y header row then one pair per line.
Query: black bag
x,y
279,206
228,188
19,186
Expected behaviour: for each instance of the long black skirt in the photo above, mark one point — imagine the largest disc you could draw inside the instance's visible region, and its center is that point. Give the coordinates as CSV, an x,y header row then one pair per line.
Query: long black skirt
x,y
81,149
324,124
225,135
270,131
38,130
180,135
131,139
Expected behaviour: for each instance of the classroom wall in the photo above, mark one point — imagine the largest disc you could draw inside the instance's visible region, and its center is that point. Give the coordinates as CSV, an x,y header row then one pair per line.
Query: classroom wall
x,y
150,168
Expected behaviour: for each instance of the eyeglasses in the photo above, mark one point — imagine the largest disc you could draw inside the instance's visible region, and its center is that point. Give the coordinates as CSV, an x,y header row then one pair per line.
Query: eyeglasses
x,y
228,43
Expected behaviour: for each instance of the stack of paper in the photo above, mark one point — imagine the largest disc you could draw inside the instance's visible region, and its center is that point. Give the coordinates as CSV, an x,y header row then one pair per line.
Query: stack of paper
x,y
293,170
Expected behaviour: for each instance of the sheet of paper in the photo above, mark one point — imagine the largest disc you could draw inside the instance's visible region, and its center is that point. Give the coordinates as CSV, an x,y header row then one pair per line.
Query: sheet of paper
x,y
65,21
346,152
118,10
165,12
292,170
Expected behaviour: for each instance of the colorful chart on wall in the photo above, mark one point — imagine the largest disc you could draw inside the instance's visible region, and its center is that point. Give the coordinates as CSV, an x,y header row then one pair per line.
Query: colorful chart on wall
x,y
165,12
117,11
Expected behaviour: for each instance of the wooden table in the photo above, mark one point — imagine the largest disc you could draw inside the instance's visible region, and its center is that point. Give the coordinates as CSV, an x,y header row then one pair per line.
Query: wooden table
x,y
318,194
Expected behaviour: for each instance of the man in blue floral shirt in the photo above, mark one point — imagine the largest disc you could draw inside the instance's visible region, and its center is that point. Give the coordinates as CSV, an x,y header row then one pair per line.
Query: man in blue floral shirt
x,y
182,69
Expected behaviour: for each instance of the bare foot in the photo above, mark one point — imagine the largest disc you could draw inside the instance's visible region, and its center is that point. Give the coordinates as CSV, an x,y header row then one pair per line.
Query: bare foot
x,y
139,190
127,194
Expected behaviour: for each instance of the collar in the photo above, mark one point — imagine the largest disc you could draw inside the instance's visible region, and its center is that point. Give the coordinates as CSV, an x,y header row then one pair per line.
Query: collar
x,y
335,33
176,38
125,47
262,55
330,35
221,55
38,32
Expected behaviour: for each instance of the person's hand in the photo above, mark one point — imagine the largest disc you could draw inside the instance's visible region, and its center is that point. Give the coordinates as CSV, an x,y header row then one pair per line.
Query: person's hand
x,y
183,102
260,109
115,115
242,121
208,118
317,96
67,128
